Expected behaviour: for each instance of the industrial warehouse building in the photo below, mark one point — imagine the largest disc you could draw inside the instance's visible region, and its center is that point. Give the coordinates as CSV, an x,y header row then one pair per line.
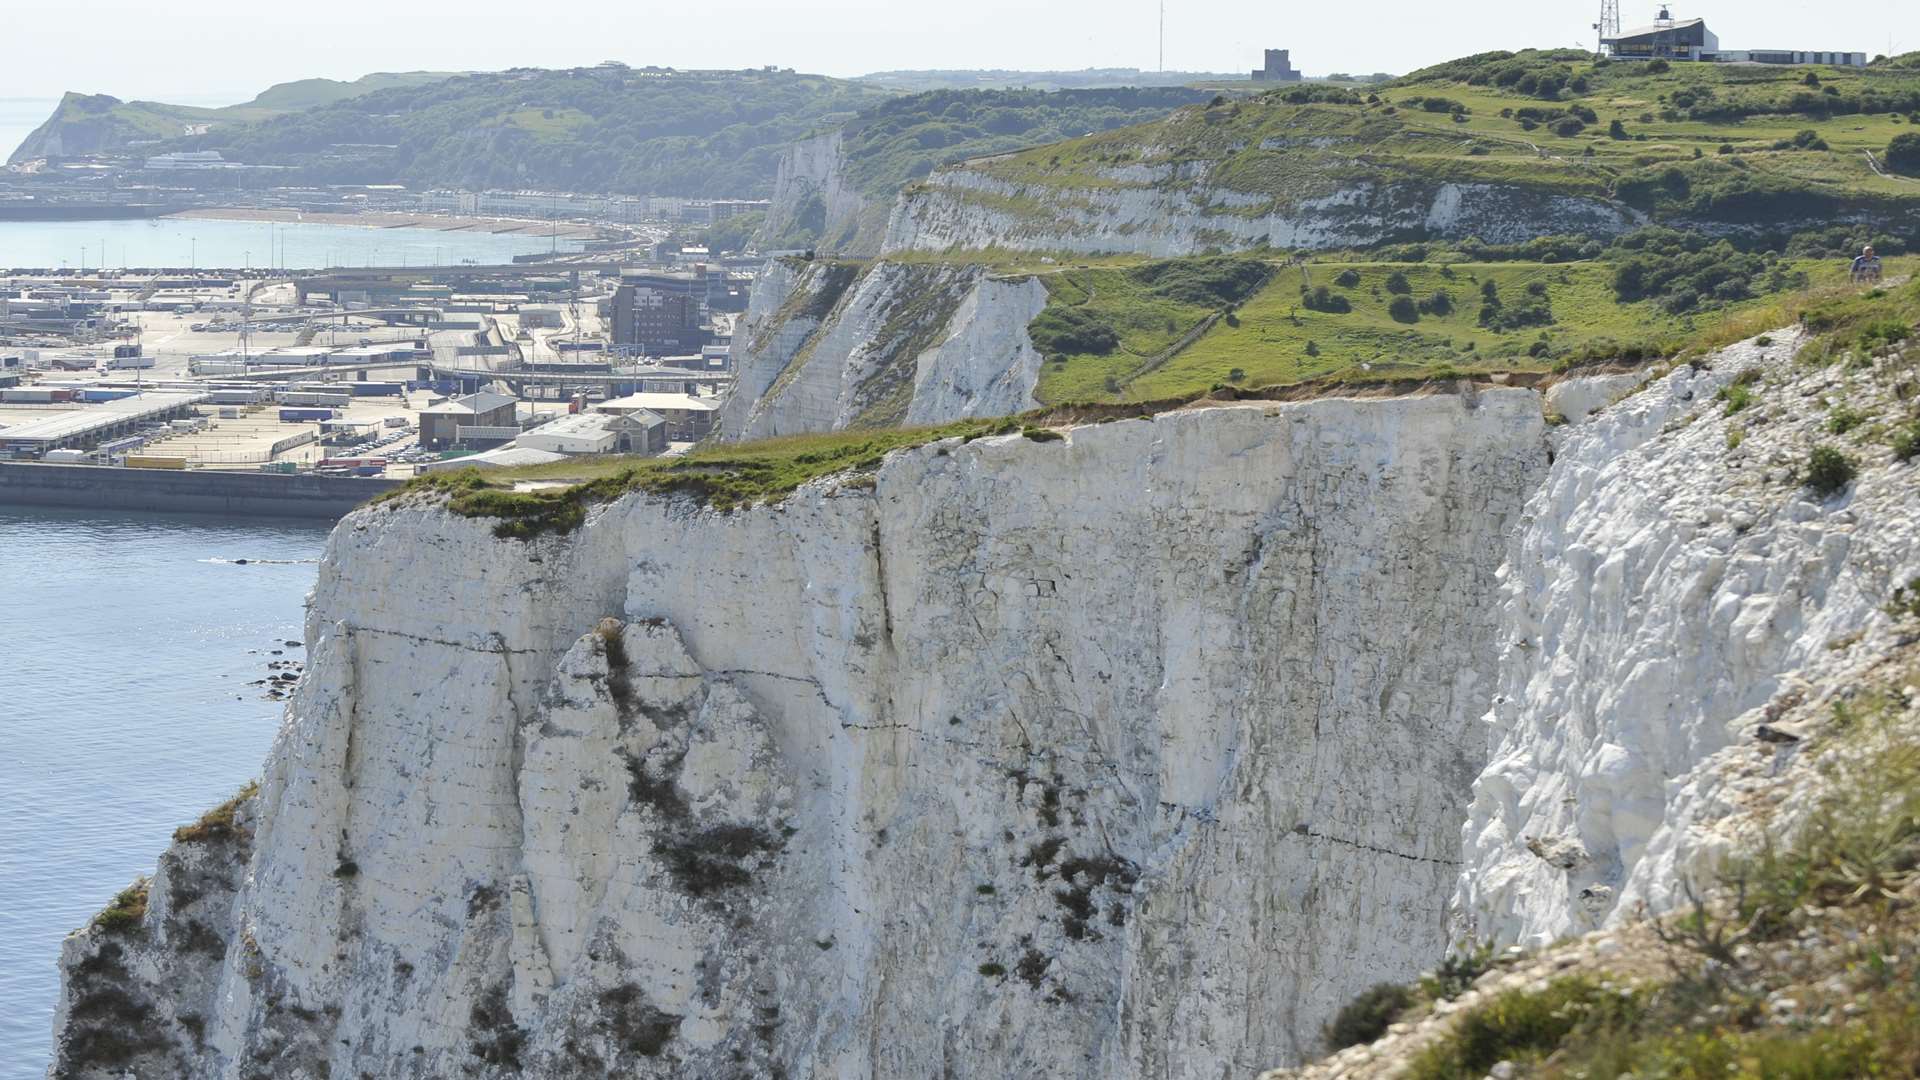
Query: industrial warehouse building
x,y
478,418
1689,39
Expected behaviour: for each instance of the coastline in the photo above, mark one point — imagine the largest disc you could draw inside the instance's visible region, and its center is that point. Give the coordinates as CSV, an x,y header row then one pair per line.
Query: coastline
x,y
566,230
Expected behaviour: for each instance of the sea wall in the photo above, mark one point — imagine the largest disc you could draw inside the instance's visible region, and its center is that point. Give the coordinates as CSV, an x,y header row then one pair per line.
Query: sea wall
x,y
1133,753
201,491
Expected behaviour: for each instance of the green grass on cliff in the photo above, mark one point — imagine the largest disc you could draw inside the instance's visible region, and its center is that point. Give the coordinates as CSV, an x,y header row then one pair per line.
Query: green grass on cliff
x,y
724,476
1277,337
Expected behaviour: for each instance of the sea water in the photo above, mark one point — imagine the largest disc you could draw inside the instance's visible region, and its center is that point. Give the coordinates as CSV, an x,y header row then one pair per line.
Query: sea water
x,y
128,644
206,242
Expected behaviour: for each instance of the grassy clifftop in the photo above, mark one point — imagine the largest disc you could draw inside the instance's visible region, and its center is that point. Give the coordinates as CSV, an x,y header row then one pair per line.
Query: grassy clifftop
x,y
1739,146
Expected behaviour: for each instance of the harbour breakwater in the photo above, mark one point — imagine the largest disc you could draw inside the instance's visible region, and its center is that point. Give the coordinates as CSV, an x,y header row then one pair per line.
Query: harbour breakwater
x,y
100,487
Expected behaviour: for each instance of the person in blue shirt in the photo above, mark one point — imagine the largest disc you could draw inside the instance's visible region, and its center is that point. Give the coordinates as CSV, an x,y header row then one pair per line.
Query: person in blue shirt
x,y
1866,267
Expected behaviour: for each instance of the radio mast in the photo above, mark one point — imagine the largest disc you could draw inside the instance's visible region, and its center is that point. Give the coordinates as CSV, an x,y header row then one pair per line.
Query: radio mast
x,y
1609,24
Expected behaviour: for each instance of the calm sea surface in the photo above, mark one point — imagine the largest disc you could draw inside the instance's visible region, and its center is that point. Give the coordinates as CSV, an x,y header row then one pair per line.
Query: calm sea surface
x,y
126,645
180,242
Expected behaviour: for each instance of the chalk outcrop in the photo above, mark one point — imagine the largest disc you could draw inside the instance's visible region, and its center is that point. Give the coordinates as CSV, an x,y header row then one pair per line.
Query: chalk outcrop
x,y
1672,590
1133,753
1174,210
825,346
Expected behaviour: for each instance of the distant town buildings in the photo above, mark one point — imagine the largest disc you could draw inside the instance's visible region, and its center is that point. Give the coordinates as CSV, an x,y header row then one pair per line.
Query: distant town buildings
x,y
1669,38
1279,68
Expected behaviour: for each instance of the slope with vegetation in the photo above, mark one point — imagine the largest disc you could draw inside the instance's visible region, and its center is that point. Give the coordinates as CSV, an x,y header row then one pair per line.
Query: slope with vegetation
x,y
834,191
1500,145
86,124
602,129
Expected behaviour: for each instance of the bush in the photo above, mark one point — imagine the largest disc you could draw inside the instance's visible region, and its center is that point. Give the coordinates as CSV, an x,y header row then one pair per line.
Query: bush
x,y
1828,471
1440,303
128,909
1617,130
1216,282
1398,284
1062,331
1844,419
1903,153
1906,442
1325,299
1517,1025
1313,349
1365,1018
1657,67
1403,309
1347,279
1569,127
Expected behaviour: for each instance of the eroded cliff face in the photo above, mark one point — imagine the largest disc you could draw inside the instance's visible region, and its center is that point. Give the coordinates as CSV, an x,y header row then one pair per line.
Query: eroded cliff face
x,y
1174,210
826,346
812,193
1129,754
1672,589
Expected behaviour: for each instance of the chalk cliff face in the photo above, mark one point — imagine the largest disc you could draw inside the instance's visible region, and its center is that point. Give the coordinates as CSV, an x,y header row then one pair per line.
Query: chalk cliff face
x,y
825,346
1168,210
1669,591
1129,754
811,192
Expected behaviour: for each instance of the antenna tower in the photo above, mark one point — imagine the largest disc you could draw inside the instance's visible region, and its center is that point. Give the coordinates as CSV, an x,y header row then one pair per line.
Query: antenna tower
x,y
1163,37
1609,24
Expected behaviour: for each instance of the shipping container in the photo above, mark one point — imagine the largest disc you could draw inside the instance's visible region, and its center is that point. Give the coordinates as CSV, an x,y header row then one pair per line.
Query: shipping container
x,y
378,389
102,395
121,446
237,397
338,401
305,415
396,422
65,457
149,461
27,395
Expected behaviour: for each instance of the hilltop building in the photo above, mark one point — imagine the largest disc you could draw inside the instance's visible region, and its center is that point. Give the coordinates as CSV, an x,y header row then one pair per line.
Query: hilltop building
x,y
1279,68
1689,39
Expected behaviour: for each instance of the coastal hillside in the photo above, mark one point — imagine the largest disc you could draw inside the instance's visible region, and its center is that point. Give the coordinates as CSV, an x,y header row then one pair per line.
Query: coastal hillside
x,y
89,124
834,190
1502,147
835,344
610,128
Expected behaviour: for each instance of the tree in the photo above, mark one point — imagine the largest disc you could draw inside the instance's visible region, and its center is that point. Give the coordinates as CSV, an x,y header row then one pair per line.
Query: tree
x,y
1398,284
1617,130
1903,153
1403,309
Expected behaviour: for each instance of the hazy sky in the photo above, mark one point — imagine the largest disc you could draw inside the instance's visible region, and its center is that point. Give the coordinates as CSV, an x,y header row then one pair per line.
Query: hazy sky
x,y
214,51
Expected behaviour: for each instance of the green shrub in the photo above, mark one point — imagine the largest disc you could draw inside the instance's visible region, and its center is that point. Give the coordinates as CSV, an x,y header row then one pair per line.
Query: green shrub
x,y
1569,127
1440,303
1906,442
1347,279
124,915
1404,310
1828,470
1325,300
1365,1018
1903,153
1844,419
1517,1026
1063,331
1737,396
1616,130
1657,67
1208,282
1398,284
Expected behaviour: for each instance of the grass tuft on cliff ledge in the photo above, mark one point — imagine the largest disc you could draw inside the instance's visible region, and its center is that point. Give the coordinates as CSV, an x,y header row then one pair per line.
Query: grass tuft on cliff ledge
x,y
725,477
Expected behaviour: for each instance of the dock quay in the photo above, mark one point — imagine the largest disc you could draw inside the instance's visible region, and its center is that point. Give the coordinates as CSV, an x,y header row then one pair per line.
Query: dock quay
x,y
200,491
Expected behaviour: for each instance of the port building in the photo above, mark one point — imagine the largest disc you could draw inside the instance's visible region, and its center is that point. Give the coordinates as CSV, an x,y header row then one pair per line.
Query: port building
x,y
1278,68
84,429
1668,38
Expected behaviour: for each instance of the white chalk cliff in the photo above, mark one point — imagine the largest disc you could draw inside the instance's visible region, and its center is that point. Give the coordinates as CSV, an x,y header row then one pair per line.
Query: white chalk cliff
x,y
826,346
1129,754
